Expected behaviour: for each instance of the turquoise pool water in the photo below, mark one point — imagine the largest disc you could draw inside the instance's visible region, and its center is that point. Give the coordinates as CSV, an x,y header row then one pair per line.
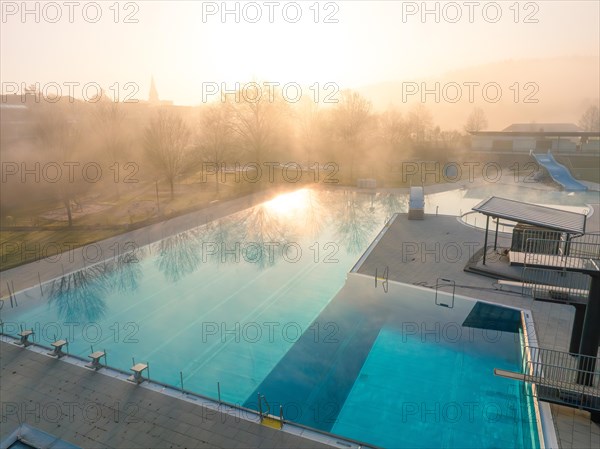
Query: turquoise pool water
x,y
219,303
400,371
459,201
248,302
411,393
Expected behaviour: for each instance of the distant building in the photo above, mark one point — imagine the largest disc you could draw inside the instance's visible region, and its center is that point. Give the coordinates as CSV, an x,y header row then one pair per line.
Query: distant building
x,y
153,98
15,121
153,95
539,137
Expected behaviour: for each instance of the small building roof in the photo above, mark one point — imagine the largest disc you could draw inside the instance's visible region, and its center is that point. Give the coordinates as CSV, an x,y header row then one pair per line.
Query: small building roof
x,y
541,134
543,127
539,130
533,214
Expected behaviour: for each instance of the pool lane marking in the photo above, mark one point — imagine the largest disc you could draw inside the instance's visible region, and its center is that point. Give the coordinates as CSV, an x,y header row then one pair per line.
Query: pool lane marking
x,y
277,296
135,304
265,305
163,305
229,298
308,268
287,288
138,304
212,309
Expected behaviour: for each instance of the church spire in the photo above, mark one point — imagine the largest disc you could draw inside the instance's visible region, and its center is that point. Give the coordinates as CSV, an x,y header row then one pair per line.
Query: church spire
x,y
153,95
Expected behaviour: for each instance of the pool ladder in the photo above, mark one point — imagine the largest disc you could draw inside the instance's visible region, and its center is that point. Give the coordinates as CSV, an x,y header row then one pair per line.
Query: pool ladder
x,y
261,398
266,419
444,282
384,280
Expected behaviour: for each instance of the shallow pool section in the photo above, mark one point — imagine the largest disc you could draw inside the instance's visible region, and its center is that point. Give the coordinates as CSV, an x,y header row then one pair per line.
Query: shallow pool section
x,y
443,393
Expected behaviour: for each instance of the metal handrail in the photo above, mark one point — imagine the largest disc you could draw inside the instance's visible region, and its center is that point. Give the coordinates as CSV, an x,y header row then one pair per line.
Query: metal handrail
x,y
559,377
556,285
560,254
444,283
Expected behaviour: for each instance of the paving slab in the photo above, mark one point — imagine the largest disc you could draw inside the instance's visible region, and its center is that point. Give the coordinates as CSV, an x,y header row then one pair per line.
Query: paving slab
x,y
84,413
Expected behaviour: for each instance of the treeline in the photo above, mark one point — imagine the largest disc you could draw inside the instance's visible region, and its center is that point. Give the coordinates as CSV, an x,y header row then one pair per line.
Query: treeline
x,y
60,152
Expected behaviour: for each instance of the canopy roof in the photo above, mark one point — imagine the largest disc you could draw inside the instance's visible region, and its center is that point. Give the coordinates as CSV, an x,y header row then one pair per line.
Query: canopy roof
x,y
533,214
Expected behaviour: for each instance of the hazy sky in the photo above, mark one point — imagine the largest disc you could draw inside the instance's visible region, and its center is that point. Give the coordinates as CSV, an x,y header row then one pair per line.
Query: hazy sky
x,y
183,45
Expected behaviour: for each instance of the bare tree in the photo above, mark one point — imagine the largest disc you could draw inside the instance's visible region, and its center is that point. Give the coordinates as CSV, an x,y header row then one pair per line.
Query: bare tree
x,y
179,255
108,124
308,118
392,127
80,296
451,138
477,120
393,139
420,122
351,119
391,204
315,216
590,120
256,114
59,133
355,222
166,144
215,137
265,231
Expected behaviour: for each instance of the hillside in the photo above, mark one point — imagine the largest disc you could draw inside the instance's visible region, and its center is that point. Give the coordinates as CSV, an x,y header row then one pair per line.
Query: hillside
x,y
563,87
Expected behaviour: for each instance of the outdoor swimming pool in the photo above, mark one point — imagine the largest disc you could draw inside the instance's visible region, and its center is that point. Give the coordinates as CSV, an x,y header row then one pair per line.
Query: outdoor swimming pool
x,y
458,201
254,303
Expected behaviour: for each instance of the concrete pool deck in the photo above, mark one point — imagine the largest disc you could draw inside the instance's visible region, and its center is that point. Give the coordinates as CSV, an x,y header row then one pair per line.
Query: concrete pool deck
x,y
89,409
407,249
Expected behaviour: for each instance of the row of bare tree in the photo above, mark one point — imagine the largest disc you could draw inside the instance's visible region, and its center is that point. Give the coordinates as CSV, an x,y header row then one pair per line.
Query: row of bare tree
x,y
64,145
348,133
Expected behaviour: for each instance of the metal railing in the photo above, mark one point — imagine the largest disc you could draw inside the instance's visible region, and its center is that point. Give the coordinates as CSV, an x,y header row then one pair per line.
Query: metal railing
x,y
549,241
587,245
561,254
563,377
556,285
472,217
555,242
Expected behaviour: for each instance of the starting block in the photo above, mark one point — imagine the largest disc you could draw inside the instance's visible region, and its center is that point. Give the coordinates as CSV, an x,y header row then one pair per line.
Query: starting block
x,y
57,351
24,338
95,363
137,369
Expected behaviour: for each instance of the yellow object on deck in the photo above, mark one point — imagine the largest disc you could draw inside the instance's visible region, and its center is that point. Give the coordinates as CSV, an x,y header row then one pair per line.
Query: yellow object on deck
x,y
273,423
